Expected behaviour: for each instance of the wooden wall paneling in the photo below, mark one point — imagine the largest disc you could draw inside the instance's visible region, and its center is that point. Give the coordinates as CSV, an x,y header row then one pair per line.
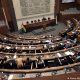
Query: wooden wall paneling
x,y
3,26
64,6
78,4
9,11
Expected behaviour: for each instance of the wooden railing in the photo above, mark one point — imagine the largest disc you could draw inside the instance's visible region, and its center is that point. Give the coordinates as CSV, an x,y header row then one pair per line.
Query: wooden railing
x,y
43,24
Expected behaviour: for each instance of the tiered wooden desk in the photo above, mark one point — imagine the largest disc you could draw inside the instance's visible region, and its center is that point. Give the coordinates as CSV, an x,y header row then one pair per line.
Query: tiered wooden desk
x,y
37,25
68,15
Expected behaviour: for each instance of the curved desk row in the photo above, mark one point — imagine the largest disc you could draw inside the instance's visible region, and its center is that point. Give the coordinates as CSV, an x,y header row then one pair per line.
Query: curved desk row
x,y
37,48
27,42
48,55
41,54
40,70
15,36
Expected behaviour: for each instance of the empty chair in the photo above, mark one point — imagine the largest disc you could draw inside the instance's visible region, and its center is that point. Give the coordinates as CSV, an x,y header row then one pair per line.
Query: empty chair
x,y
70,60
52,63
31,51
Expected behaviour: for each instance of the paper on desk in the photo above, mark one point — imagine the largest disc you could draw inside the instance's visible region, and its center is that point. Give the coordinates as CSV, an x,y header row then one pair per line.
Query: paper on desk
x,y
69,53
7,47
59,55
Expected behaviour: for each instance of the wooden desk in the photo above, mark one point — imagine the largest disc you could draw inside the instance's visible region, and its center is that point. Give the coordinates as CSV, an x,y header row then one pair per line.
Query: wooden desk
x,y
42,24
40,70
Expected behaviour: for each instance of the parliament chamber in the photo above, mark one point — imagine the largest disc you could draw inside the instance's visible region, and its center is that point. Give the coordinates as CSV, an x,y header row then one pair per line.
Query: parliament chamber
x,y
53,54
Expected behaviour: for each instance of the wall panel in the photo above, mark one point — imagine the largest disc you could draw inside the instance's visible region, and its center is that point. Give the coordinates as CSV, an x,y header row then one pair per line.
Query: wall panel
x,y
27,10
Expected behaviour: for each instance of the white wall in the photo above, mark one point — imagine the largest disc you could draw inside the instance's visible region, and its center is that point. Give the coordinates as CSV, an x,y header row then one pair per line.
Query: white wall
x,y
23,19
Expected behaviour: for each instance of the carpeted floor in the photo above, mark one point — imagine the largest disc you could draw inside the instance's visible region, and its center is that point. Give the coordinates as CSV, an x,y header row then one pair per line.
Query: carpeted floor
x,y
54,30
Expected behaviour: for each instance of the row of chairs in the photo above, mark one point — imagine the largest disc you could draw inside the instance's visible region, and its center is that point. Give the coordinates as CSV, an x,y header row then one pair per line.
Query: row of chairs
x,y
20,63
38,49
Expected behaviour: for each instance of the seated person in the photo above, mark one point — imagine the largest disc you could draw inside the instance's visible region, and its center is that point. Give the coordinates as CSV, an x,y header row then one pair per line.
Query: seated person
x,y
49,18
43,19
20,62
69,58
74,35
70,24
38,20
5,39
52,63
27,22
61,46
28,64
10,64
2,61
74,41
40,63
1,47
35,21
31,22
63,34
69,29
68,44
64,61
12,50
78,59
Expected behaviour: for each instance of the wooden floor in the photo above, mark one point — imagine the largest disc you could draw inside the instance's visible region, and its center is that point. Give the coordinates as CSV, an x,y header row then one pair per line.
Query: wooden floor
x,y
69,76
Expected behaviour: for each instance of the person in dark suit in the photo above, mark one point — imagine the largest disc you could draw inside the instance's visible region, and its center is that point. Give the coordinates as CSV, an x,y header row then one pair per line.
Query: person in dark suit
x,y
78,59
10,64
2,61
44,19
61,46
28,64
64,61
